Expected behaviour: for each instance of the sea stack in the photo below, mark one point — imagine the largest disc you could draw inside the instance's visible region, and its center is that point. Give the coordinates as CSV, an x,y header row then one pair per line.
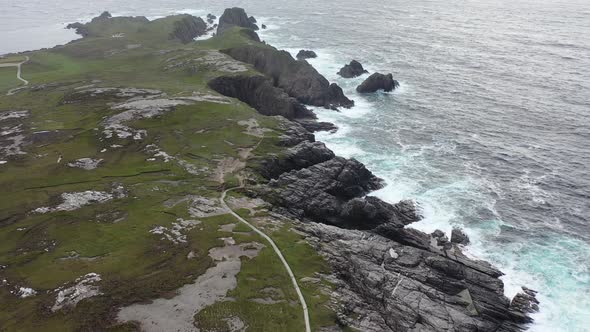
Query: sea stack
x,y
353,69
306,54
378,81
235,17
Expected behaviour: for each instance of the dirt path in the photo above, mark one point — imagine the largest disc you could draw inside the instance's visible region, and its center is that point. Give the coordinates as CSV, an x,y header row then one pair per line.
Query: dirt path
x,y
277,251
18,73
267,238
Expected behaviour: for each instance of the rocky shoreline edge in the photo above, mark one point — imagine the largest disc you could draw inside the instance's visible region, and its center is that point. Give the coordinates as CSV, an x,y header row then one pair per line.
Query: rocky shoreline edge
x,y
388,277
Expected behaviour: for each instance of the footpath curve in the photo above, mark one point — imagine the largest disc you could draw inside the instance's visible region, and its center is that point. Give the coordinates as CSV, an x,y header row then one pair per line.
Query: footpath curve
x,y
277,251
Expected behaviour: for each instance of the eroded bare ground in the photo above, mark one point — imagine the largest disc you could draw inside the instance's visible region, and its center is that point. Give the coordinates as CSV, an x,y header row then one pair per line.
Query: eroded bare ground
x,y
177,313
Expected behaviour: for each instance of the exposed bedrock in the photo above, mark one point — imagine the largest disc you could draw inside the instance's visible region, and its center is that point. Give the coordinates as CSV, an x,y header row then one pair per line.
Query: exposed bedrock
x,y
294,133
376,82
259,92
313,125
306,54
300,156
323,192
353,69
233,17
298,78
387,286
188,28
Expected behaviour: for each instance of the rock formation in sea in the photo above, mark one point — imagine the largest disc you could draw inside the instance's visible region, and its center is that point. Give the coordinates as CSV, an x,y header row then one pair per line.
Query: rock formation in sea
x,y
306,54
211,18
378,81
233,17
353,69
459,237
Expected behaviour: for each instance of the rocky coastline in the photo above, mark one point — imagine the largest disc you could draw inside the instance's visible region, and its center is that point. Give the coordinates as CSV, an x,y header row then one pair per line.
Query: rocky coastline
x,y
166,159
389,277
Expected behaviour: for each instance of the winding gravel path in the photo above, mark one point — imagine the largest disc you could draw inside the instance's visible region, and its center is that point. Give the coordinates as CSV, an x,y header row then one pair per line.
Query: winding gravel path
x,y
18,73
277,251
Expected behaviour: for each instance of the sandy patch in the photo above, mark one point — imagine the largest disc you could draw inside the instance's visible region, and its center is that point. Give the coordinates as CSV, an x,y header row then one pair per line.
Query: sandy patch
x,y
177,313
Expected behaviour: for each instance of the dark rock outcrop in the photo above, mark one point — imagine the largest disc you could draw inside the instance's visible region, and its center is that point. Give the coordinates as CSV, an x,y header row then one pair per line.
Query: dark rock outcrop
x,y
252,19
298,78
376,82
302,155
211,18
188,28
306,54
234,17
384,285
81,29
459,237
353,69
313,125
523,304
294,133
263,26
259,92
319,192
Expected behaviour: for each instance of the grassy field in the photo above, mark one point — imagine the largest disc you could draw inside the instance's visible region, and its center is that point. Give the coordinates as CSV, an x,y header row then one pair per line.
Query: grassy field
x,y
12,59
46,251
8,79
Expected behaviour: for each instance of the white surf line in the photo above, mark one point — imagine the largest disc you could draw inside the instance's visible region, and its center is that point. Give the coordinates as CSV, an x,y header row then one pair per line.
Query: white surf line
x,y
277,251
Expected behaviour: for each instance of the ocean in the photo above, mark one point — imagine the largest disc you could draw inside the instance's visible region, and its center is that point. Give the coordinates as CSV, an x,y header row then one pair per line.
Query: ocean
x,y
489,130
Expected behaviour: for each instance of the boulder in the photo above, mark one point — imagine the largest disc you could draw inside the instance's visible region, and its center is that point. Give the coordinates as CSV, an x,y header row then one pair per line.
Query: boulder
x,y
259,92
263,26
353,69
233,17
297,78
306,54
376,82
459,237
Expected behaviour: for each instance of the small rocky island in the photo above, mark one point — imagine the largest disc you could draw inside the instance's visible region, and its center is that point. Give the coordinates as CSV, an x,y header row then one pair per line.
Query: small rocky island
x,y
137,164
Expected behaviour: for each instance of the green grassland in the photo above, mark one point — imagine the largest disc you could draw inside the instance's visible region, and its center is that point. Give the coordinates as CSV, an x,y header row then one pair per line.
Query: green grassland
x,y
134,264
